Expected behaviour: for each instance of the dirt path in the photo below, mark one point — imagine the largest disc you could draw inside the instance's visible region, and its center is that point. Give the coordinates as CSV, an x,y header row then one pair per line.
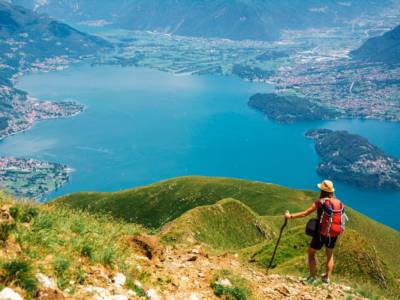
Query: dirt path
x,y
191,272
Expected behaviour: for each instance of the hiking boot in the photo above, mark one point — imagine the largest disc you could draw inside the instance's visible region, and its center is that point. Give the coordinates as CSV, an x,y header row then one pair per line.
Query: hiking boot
x,y
325,279
311,279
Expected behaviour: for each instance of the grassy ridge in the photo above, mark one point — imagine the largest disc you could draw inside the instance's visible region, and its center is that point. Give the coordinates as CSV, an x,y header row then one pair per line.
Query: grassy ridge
x,y
369,250
228,224
157,204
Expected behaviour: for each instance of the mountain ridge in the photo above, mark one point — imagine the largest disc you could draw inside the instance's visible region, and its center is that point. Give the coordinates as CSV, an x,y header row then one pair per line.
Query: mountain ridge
x,y
238,19
221,246
384,48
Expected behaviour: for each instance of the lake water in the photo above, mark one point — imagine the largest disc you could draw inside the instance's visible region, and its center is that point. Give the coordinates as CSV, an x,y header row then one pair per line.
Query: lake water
x,y
141,126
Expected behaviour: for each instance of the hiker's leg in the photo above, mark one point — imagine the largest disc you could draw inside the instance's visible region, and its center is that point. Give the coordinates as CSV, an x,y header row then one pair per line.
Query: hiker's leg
x,y
312,262
329,262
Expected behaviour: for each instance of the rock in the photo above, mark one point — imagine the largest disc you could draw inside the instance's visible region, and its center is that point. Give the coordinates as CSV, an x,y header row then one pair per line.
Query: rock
x,y
98,291
5,214
50,294
152,294
119,279
9,294
46,282
307,296
201,275
192,258
117,297
147,245
138,284
194,297
195,251
224,282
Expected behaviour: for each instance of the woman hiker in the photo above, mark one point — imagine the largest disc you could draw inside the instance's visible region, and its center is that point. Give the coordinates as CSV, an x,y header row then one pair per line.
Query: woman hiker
x,y
329,224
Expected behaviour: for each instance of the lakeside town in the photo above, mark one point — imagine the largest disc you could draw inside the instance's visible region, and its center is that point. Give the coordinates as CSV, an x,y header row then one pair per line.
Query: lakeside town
x,y
30,178
353,159
312,63
24,177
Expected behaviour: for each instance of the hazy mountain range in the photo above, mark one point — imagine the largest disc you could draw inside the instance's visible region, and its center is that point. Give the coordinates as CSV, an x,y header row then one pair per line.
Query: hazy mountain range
x,y
234,19
385,48
37,35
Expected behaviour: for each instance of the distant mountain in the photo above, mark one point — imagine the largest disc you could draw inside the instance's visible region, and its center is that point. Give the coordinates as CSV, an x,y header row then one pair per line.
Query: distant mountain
x,y
385,48
29,40
234,19
38,35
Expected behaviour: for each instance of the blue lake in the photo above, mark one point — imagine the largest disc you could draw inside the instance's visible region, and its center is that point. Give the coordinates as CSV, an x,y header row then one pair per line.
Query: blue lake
x,y
141,126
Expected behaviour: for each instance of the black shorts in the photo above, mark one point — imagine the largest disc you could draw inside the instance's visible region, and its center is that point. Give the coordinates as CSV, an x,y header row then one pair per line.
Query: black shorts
x,y
320,240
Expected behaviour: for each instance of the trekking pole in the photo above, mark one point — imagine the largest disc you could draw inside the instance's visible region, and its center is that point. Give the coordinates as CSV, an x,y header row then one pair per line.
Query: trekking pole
x,y
277,244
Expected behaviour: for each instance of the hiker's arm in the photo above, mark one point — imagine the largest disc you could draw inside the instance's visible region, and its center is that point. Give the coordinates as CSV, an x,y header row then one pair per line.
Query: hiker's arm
x,y
302,214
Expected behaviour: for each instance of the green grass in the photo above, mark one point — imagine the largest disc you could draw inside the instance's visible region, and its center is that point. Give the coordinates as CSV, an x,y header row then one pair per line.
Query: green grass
x,y
63,244
368,249
19,272
357,261
157,204
239,289
228,224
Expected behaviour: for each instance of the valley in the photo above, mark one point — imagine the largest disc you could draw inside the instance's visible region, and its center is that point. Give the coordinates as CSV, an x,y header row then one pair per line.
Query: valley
x,y
154,156
313,64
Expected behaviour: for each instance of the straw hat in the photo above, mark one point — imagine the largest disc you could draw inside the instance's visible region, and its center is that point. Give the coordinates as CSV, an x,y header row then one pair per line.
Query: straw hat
x,y
326,186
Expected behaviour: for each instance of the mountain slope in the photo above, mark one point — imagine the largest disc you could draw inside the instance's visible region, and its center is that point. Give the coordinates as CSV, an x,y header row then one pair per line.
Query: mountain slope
x,y
356,258
157,204
234,19
197,245
32,41
385,48
58,253
38,36
228,224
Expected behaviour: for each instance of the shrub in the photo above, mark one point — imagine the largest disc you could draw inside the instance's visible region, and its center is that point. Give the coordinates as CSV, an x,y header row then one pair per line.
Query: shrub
x,y
61,265
108,256
5,230
80,276
44,221
239,290
87,251
28,214
229,293
14,212
78,227
19,272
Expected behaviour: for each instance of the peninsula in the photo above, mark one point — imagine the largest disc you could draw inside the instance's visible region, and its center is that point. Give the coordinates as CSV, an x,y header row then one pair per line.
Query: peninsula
x,y
352,159
290,108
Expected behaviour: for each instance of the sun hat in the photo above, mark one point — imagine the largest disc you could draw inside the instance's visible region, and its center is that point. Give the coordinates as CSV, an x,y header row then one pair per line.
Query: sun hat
x,y
326,186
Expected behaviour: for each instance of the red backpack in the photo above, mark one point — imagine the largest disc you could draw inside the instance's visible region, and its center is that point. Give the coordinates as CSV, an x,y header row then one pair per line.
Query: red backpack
x,y
333,218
